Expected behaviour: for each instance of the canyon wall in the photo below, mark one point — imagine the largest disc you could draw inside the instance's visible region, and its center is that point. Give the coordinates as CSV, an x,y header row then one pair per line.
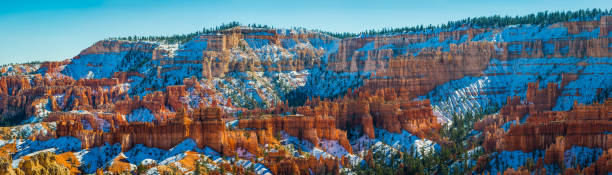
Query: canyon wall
x,y
242,91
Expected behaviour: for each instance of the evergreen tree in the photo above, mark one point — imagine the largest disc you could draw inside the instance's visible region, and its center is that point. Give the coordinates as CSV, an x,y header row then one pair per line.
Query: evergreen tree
x,y
540,18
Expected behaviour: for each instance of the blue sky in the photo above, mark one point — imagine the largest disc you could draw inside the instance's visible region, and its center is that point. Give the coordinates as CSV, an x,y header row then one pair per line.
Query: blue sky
x,y
57,30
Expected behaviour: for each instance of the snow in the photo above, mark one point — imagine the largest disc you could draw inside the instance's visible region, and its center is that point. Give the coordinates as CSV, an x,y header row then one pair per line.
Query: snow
x,y
390,153
98,157
257,43
101,157
265,89
359,141
139,154
406,141
424,146
148,162
474,151
573,157
530,33
318,153
524,119
510,78
90,75
83,112
333,147
355,160
180,167
192,49
321,83
259,168
597,74
140,115
588,34
170,49
4,142
512,159
59,99
173,159
248,89
119,157
506,126
180,61
292,143
243,153
60,145
327,149
177,152
153,171
42,110
583,156
25,131
16,162
367,47
231,125
188,145
21,69
104,64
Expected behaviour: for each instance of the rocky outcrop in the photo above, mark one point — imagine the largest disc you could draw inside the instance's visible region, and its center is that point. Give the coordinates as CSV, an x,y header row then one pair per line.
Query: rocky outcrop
x,y
110,46
218,57
587,133
421,74
174,96
312,129
385,109
6,168
420,62
530,126
536,100
578,127
204,126
207,129
42,163
11,85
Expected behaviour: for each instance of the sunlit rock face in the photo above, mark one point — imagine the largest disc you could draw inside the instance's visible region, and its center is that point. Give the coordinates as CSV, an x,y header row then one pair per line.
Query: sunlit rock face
x,y
278,101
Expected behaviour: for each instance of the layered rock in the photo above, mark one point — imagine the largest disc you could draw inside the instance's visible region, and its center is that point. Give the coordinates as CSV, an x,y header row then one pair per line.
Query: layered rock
x,y
204,126
529,126
160,95
578,127
385,109
312,129
421,61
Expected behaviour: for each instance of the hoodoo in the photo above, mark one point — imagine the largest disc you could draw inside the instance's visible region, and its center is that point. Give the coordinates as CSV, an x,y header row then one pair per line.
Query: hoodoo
x,y
491,95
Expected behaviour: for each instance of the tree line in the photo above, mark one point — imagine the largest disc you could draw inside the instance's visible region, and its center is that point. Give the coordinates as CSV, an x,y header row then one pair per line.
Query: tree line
x,y
541,18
